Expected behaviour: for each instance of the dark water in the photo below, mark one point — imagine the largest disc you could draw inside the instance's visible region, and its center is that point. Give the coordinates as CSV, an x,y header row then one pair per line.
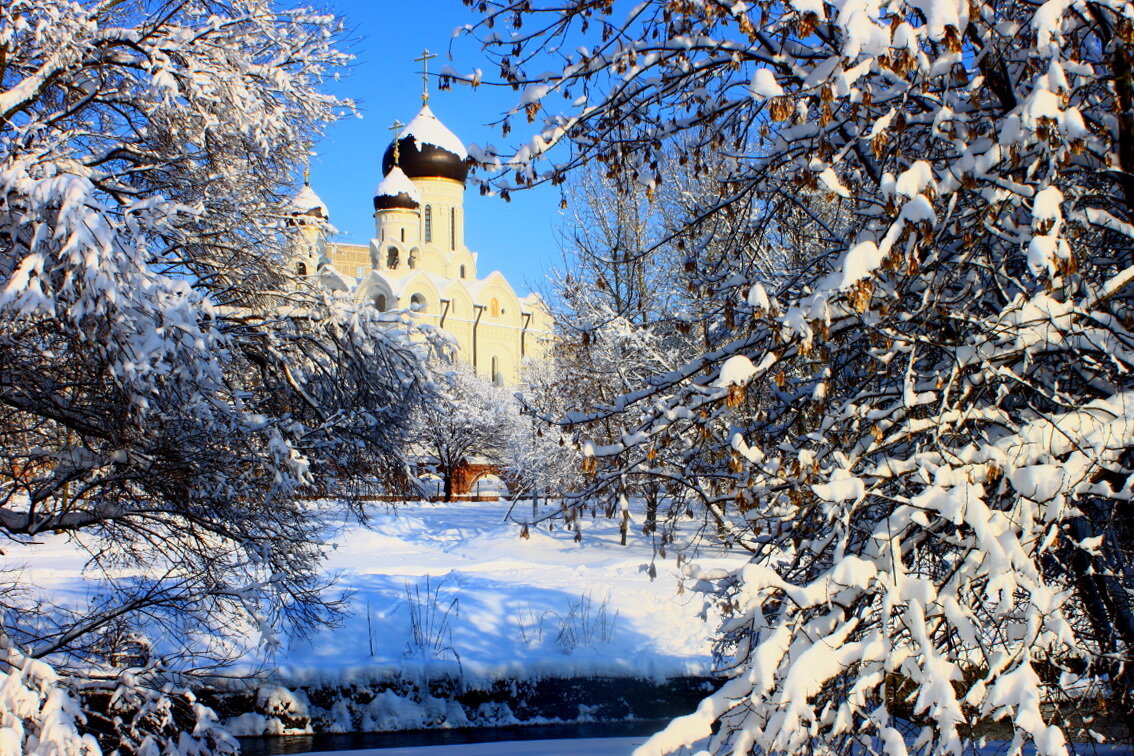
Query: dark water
x,y
287,744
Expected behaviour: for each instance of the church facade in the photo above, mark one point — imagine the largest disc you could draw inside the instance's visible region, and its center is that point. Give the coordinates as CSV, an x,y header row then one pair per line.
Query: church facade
x,y
418,259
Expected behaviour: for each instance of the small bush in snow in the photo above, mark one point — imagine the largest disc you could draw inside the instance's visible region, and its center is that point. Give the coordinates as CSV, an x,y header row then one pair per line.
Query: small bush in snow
x,y
585,624
431,622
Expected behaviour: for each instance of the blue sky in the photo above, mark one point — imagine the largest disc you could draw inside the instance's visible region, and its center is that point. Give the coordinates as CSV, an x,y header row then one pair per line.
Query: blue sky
x,y
518,237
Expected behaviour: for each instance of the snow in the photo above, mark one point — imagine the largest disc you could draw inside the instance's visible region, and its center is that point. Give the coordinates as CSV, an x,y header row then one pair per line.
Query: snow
x,y
764,85
307,200
914,180
1046,206
841,487
758,298
513,596
737,370
397,182
425,128
860,261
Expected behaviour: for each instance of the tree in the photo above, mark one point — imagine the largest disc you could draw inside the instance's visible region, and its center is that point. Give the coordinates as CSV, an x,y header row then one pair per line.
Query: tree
x,y
168,389
541,459
921,431
469,418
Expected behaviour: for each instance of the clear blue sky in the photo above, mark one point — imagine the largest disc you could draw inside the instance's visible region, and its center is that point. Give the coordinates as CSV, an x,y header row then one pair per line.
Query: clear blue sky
x,y
518,237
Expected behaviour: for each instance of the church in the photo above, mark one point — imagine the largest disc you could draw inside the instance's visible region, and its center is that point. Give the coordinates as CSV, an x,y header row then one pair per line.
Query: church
x,y
418,259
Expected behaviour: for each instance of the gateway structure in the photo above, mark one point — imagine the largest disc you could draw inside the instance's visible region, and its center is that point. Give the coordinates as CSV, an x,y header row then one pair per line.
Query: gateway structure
x,y
418,259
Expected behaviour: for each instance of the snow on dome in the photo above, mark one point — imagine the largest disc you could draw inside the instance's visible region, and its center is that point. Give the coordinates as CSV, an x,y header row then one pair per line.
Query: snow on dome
x,y
425,128
307,200
397,182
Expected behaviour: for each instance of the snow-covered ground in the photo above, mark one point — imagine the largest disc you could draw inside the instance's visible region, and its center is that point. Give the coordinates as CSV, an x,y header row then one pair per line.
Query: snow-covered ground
x,y
484,601
499,605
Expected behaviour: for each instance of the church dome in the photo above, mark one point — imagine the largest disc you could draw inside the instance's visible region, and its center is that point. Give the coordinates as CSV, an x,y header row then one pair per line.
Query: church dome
x,y
396,192
427,149
307,202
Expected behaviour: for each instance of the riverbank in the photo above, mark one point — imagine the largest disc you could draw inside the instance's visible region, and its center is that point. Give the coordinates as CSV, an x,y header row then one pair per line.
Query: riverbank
x,y
455,620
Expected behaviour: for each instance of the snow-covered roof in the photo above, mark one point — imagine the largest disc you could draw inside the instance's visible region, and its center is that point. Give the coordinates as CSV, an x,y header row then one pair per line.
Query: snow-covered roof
x,y
307,200
334,280
397,182
425,128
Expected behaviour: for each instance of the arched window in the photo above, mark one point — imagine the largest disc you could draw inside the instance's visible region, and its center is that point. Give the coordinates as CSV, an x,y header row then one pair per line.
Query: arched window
x,y
497,378
392,258
403,233
428,224
494,307
411,261
301,269
462,271
417,302
452,228
380,302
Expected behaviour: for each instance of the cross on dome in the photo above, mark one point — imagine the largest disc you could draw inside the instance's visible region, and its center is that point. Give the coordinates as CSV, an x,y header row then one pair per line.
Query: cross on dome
x,y
426,56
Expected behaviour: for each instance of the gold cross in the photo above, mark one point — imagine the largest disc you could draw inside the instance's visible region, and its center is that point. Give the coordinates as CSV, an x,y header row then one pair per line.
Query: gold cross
x,y
426,56
398,125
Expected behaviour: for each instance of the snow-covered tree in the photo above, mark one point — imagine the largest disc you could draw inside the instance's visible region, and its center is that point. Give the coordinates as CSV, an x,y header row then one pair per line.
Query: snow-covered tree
x,y
470,418
921,430
167,389
541,460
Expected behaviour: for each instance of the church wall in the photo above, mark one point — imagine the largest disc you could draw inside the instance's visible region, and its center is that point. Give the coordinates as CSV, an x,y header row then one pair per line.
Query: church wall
x,y
350,259
397,226
443,197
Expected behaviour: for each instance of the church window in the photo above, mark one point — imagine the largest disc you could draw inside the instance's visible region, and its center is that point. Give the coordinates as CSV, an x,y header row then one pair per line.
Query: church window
x,y
301,269
417,302
452,228
392,258
494,307
380,302
412,260
403,234
462,271
497,378
428,224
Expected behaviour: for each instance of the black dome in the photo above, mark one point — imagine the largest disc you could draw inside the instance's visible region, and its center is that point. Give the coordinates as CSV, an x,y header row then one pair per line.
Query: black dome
x,y
430,161
400,201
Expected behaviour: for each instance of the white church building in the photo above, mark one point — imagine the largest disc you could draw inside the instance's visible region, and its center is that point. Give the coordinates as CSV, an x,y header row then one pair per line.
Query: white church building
x,y
418,259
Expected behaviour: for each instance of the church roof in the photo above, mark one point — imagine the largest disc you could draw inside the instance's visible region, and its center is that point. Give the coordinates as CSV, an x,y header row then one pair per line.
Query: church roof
x,y
396,191
427,149
307,202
